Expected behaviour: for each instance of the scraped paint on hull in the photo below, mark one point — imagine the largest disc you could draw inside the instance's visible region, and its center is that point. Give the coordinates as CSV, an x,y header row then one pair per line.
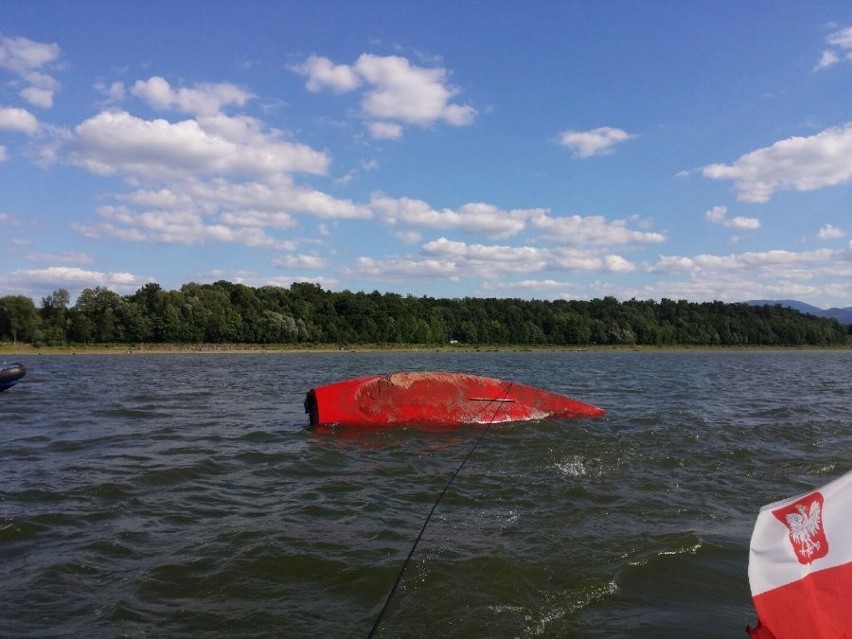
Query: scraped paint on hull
x,y
435,400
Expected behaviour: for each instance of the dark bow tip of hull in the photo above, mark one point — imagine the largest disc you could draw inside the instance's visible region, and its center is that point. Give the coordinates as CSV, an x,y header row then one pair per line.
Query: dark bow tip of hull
x,y
10,374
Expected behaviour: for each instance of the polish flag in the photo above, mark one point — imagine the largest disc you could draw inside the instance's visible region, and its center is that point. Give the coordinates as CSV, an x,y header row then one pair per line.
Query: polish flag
x,y
800,565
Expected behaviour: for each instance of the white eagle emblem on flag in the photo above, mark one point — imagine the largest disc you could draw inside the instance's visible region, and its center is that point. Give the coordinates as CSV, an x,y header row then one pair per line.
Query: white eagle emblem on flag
x,y
804,524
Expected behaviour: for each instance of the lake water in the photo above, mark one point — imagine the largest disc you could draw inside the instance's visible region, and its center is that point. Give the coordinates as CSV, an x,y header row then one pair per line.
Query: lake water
x,y
182,496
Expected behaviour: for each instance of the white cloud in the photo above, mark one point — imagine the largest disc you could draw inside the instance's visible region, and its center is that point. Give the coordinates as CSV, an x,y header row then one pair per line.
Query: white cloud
x,y
163,198
38,96
195,212
408,237
210,179
797,163
491,261
63,256
401,269
567,259
285,281
271,204
598,141
178,227
719,215
775,274
203,99
827,59
401,91
395,91
830,232
840,43
790,263
322,73
116,141
536,285
841,38
279,195
77,278
493,222
245,235
384,130
22,55
276,219
593,230
300,261
14,119
115,92
617,264
25,58
484,219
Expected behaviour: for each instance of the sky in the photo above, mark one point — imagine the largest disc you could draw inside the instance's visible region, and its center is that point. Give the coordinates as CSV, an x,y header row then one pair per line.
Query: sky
x,y
697,150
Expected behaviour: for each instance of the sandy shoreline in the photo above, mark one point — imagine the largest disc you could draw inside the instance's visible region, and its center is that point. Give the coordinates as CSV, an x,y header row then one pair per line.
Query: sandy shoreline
x,y
22,350
235,349
170,349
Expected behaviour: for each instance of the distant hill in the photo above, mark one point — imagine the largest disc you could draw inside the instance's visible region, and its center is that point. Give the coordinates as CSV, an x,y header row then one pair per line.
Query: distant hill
x,y
843,315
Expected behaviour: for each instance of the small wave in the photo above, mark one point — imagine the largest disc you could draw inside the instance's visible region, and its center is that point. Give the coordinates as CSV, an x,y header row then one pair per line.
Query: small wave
x,y
177,474
585,466
541,626
132,413
109,549
672,545
685,550
18,530
575,466
691,550
261,437
108,490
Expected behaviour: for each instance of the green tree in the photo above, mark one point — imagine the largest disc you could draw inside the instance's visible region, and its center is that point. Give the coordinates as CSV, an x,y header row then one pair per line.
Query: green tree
x,y
55,317
226,312
19,319
100,307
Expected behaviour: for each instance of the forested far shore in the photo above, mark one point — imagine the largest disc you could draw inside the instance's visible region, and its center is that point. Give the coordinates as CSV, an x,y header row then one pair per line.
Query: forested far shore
x,y
305,314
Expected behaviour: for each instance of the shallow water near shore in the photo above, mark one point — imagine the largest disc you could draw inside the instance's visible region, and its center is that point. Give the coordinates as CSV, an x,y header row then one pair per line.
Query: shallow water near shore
x,y
182,496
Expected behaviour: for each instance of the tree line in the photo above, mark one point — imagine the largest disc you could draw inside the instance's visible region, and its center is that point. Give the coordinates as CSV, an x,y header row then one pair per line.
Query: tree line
x,y
304,313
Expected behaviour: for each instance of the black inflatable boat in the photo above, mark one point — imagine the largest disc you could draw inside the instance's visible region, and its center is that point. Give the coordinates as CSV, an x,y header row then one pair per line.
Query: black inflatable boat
x,y
10,374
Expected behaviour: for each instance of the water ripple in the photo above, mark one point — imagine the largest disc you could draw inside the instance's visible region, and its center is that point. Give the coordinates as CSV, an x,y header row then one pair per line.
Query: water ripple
x,y
200,506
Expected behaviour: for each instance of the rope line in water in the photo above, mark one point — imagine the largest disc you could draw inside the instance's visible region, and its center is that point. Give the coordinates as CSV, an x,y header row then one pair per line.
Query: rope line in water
x,y
500,402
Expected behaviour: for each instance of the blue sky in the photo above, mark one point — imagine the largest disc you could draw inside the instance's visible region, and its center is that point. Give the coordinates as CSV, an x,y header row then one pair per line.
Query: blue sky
x,y
683,150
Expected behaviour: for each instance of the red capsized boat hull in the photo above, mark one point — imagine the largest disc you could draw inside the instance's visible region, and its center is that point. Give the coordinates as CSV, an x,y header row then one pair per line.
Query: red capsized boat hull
x,y
435,399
